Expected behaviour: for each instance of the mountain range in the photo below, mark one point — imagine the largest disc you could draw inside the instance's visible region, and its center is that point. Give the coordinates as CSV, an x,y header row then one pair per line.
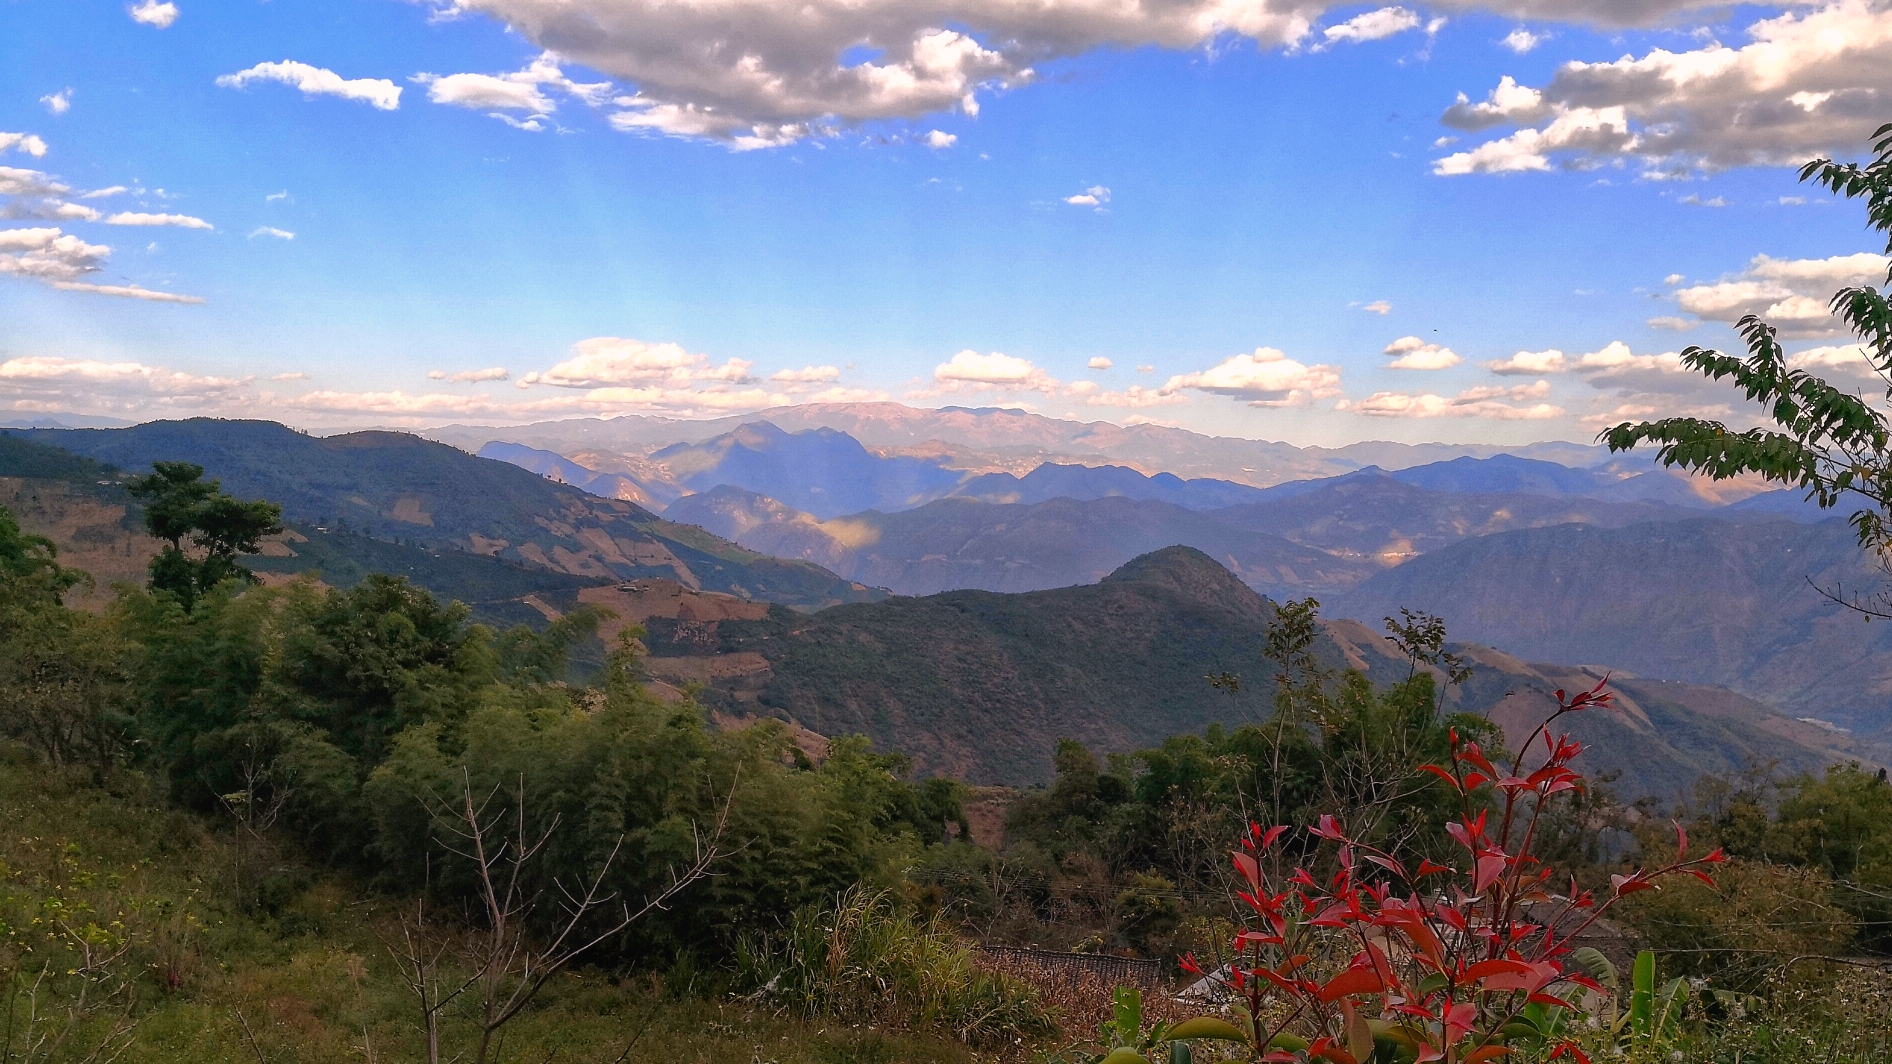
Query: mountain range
x,y
982,685
409,491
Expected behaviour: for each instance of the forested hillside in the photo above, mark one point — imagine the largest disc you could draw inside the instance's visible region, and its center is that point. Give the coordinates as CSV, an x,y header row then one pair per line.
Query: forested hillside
x,y
398,487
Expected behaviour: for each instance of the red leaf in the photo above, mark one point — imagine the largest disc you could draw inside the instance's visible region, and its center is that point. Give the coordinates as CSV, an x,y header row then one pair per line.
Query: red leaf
x,y
1486,1053
1352,981
1249,868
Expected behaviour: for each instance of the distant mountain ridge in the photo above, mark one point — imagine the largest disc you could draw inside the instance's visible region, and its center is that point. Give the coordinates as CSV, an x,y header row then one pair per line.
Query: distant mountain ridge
x,y
1729,600
400,487
982,685
993,439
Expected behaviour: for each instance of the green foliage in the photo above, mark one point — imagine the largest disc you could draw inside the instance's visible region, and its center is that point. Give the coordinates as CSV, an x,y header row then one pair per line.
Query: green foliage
x,y
1829,442
180,505
859,957
30,573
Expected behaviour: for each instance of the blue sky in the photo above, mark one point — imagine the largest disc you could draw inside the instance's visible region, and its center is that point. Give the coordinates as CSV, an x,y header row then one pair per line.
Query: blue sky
x,y
1271,228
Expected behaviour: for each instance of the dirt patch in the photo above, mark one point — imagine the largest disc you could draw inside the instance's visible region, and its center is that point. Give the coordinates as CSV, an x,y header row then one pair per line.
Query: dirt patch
x,y
636,601
412,510
814,744
680,671
89,534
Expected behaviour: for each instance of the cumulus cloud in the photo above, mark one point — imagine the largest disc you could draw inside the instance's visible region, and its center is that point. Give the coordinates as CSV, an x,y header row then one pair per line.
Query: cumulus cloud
x,y
270,230
101,193
1789,294
25,142
1378,306
52,210
1809,82
56,102
807,375
470,376
1415,353
1265,378
1671,322
182,221
937,139
1531,363
610,360
522,90
1521,40
991,372
1842,361
153,13
53,382
1099,362
1370,26
1492,403
17,182
49,255
1094,196
380,93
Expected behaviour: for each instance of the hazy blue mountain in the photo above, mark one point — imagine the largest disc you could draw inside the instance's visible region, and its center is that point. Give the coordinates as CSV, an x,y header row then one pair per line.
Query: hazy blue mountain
x,y
1376,516
963,543
1053,481
820,471
991,440
394,486
651,494
1732,599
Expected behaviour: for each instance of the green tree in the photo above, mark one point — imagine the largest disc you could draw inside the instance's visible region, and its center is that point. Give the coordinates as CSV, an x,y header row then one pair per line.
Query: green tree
x,y
30,572
181,505
1826,441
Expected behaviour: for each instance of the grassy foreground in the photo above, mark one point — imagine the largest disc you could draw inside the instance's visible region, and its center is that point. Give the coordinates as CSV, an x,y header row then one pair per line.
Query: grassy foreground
x,y
307,976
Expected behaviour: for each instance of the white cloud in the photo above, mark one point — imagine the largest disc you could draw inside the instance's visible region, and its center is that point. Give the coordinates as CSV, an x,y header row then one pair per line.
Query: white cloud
x,y
395,402
807,375
1099,362
1415,353
381,93
1378,306
57,102
938,139
182,221
1580,129
50,210
153,13
18,182
1135,397
1671,322
270,230
49,255
611,360
1530,363
1484,402
1265,378
25,142
1789,294
52,382
470,376
101,193
1848,360
995,371
1094,196
1811,81
1673,279
1521,40
273,197
521,90
1371,26
1146,369
289,377
757,74
127,291
1694,200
